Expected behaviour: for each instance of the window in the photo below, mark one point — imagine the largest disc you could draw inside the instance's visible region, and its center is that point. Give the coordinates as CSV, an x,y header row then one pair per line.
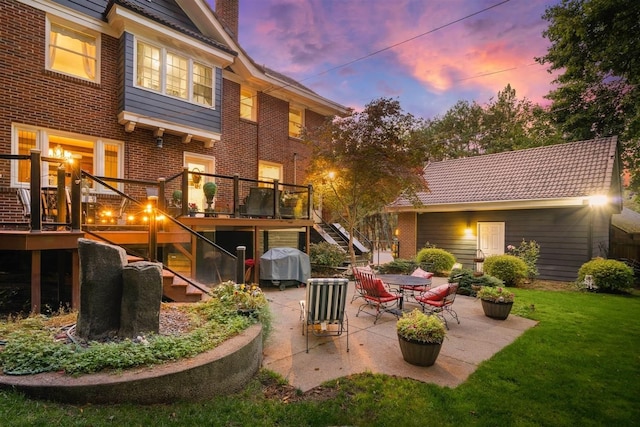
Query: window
x,y
177,76
247,104
173,75
98,156
73,52
295,122
202,84
268,171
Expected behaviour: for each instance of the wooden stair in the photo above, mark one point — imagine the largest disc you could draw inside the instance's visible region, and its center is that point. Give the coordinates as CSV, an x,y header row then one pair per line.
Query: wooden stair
x,y
178,290
175,288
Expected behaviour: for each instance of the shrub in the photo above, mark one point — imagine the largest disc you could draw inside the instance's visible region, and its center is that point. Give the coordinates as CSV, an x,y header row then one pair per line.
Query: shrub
x,y
402,266
441,261
466,280
529,253
608,274
326,254
507,268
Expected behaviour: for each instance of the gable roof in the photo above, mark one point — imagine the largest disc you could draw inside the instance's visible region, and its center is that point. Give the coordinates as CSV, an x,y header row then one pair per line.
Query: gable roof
x,y
627,221
550,176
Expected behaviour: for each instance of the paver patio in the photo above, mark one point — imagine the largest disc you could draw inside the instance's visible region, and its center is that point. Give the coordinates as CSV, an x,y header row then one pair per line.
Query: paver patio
x,y
374,348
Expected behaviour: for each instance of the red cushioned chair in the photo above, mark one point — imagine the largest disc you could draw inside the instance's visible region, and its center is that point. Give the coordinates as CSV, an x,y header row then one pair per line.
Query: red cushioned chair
x,y
357,291
439,300
377,296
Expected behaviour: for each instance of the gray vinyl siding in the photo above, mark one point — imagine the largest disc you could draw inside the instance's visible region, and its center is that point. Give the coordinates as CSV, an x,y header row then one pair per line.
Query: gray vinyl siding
x,y
93,8
562,233
156,105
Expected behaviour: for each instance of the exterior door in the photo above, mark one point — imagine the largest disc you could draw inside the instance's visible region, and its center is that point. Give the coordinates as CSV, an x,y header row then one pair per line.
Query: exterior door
x,y
491,238
198,163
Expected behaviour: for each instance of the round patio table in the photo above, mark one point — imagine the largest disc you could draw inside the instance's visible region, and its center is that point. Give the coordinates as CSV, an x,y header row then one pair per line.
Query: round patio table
x,y
404,282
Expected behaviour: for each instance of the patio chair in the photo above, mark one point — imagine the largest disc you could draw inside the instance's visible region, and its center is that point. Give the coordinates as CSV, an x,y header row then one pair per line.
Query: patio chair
x,y
377,296
412,291
439,301
357,290
323,311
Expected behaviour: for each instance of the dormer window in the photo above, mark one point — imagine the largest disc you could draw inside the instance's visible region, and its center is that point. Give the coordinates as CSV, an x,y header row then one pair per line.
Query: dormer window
x,y
73,51
173,75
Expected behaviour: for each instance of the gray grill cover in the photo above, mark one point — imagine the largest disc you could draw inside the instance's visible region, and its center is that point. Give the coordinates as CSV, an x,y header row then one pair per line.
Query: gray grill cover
x,y
285,264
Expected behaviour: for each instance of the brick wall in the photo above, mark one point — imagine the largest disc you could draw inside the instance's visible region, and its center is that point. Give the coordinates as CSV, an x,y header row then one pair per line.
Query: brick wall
x,y
407,234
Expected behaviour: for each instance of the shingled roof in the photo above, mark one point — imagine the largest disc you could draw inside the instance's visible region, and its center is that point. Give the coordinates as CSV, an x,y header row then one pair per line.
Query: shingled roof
x,y
532,176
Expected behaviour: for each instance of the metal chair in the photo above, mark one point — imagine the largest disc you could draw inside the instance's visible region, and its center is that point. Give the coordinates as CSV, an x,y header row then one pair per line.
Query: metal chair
x,y
323,311
439,300
377,296
357,290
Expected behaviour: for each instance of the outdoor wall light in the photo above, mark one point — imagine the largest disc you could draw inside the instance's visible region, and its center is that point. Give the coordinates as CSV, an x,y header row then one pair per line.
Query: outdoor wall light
x,y
468,232
598,200
159,142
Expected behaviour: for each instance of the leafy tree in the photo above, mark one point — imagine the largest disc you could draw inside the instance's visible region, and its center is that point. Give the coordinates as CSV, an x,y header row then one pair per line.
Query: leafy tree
x,y
595,45
504,124
365,160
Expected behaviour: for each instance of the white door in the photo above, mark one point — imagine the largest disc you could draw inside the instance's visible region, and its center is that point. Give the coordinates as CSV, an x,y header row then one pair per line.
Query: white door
x,y
491,238
198,163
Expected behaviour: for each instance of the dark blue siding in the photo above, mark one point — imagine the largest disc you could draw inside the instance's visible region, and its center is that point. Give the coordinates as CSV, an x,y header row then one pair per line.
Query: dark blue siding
x,y
162,107
163,10
562,233
93,8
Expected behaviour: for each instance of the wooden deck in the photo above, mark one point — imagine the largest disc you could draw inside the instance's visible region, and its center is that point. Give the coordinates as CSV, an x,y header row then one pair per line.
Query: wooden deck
x,y
36,242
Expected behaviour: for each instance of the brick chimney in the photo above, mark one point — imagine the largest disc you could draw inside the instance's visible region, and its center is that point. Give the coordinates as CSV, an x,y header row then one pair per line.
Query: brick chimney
x,y
227,11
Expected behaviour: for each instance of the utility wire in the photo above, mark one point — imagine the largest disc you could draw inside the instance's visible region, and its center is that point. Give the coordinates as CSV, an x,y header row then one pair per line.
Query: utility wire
x,y
369,55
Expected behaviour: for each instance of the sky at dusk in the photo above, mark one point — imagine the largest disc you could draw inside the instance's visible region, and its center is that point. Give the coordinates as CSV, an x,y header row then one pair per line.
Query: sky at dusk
x,y
429,55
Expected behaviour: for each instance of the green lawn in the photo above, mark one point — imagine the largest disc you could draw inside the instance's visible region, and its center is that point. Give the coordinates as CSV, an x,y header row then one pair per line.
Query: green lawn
x,y
580,366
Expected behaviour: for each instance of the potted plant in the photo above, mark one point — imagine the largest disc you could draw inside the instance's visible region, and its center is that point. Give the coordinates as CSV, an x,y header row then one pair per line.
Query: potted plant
x,y
496,301
193,209
176,198
420,337
209,189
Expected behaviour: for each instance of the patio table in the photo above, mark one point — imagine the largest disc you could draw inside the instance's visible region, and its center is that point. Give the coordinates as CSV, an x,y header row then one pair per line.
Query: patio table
x,y
406,283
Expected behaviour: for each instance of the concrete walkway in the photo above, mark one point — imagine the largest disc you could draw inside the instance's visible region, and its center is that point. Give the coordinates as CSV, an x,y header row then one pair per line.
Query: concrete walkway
x,y
374,348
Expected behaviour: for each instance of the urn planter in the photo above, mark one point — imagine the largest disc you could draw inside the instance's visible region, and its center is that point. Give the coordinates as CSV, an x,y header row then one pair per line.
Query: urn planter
x,y
496,310
419,353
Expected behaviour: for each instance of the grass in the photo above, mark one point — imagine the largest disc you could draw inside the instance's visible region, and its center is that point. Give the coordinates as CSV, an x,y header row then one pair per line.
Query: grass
x,y
579,366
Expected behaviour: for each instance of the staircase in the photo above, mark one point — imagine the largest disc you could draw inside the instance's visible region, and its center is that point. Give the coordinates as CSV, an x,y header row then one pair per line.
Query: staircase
x,y
336,235
175,288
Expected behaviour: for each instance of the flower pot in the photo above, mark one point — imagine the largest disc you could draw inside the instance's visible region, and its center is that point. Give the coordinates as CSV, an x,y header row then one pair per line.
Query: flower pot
x,y
419,353
496,310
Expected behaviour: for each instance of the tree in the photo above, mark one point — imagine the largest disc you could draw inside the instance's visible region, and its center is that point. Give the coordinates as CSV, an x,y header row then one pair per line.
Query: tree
x,y
595,44
504,124
365,160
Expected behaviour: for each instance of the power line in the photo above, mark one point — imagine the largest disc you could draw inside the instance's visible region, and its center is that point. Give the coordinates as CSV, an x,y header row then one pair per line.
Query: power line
x,y
369,55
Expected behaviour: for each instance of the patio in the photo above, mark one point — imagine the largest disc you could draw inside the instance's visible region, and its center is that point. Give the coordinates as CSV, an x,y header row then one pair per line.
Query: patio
x,y
374,348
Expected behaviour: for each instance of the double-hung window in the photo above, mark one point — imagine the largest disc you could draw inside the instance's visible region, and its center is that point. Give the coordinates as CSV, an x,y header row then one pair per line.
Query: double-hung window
x,y
73,51
247,104
172,74
295,122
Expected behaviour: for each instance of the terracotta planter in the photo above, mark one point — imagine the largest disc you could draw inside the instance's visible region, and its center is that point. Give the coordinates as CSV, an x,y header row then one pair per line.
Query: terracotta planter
x,y
496,310
419,353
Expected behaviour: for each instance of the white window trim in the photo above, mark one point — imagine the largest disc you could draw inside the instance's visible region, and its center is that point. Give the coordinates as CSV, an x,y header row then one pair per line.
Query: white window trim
x,y
163,73
302,118
254,110
42,144
78,28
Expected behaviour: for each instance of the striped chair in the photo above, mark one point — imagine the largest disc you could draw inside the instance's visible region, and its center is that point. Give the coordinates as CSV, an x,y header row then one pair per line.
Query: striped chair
x,y
323,310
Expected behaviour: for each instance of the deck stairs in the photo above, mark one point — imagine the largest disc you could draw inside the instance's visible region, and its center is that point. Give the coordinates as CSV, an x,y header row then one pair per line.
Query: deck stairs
x,y
337,235
175,288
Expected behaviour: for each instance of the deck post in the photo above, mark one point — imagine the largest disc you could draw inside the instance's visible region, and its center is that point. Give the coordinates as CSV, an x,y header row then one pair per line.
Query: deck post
x,y
240,258
236,196
76,194
36,183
